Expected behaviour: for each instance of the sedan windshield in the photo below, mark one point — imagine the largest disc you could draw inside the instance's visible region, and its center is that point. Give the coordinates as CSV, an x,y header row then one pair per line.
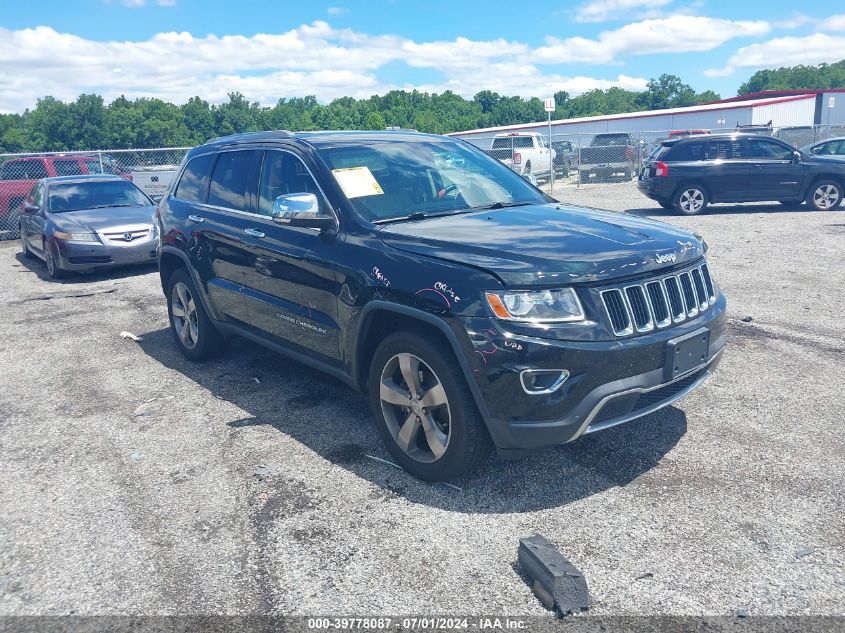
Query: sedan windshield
x,y
392,180
75,196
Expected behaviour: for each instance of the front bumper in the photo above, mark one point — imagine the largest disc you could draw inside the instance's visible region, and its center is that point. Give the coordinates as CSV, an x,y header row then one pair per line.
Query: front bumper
x,y
82,256
610,382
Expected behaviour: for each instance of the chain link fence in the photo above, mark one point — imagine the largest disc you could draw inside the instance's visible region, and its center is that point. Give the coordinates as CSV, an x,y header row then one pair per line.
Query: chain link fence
x,y
150,169
587,159
566,161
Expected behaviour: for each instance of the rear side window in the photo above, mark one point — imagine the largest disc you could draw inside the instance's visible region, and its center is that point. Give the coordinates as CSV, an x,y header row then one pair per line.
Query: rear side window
x,y
523,141
686,151
67,167
229,180
727,149
24,170
194,182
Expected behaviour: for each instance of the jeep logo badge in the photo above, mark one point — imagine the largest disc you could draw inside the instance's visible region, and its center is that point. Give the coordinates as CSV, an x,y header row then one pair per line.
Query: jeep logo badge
x,y
663,259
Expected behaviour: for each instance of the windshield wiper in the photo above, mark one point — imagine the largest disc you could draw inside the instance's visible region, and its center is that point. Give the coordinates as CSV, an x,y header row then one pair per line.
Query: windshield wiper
x,y
500,205
420,215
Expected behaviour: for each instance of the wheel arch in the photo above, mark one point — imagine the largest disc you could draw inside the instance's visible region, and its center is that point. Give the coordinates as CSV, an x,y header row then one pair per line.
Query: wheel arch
x,y
837,178
170,260
380,318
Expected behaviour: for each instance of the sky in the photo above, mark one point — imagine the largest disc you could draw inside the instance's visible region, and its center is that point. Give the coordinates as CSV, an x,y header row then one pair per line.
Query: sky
x,y
268,49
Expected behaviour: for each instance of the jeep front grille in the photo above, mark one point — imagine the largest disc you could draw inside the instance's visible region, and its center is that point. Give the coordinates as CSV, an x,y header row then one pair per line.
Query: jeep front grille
x,y
658,303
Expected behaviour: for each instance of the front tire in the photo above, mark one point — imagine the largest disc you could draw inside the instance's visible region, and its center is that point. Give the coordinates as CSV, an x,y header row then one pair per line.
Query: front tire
x,y
690,199
424,410
824,195
195,335
24,246
527,169
54,270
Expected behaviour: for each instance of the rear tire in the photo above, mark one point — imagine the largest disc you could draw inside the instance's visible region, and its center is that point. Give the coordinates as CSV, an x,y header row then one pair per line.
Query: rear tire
x,y
194,333
690,199
527,169
824,195
440,435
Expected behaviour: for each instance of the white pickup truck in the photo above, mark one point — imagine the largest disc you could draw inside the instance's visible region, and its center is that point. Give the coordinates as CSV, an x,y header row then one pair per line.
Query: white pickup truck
x,y
525,153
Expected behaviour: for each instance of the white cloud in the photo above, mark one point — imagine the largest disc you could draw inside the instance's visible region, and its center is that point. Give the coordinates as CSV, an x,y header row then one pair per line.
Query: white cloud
x,y
311,59
337,10
783,51
833,23
675,34
605,10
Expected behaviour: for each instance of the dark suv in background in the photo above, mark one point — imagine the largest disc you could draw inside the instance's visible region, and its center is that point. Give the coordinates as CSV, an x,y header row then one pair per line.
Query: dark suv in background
x,y
687,174
473,309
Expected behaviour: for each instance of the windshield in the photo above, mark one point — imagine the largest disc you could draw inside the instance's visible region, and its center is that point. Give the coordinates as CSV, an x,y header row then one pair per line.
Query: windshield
x,y
74,196
393,179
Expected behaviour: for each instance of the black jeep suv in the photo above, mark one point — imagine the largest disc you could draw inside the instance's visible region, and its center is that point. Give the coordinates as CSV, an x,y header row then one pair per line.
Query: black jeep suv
x,y
474,310
686,174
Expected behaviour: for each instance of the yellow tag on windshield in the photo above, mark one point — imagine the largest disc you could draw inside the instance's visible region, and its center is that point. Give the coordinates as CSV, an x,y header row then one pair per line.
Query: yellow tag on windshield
x,y
357,182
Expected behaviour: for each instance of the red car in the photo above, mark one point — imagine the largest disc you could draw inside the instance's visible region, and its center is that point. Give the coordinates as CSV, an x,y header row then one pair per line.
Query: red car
x,y
18,175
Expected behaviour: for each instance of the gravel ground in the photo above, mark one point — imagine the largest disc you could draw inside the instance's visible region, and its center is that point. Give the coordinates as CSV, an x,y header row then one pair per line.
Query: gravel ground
x,y
135,482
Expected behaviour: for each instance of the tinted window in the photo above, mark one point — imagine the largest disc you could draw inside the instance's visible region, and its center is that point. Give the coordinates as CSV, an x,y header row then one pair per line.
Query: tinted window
x,y
229,180
24,170
686,151
67,167
726,149
194,182
769,150
612,139
523,141
282,174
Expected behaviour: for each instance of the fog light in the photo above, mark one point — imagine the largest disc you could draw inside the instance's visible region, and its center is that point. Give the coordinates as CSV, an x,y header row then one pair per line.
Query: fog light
x,y
542,381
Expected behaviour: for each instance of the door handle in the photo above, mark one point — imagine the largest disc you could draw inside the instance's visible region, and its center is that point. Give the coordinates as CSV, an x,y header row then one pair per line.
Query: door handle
x,y
196,218
253,233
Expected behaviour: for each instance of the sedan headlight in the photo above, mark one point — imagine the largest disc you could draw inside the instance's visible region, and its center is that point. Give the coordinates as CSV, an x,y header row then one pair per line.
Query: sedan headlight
x,y
541,305
75,237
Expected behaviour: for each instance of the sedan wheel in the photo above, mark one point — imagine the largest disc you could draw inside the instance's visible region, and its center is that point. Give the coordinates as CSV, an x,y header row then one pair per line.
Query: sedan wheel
x,y
185,318
415,408
826,196
49,259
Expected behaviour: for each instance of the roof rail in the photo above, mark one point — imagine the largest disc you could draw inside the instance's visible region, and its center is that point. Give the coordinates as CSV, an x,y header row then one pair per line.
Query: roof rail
x,y
265,134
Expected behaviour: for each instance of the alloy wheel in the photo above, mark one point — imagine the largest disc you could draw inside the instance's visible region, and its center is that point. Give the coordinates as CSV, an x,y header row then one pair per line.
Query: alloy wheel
x,y
415,407
825,197
48,259
184,311
691,201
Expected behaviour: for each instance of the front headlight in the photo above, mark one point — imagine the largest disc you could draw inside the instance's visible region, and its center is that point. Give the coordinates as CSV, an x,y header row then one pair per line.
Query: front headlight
x,y
75,237
541,305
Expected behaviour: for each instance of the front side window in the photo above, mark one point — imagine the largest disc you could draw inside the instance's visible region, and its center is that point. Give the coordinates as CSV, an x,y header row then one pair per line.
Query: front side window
x,y
228,185
283,174
388,179
770,150
64,197
194,181
67,167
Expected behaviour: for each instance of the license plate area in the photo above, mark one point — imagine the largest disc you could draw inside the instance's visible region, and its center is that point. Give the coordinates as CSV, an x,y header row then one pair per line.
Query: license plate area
x,y
686,353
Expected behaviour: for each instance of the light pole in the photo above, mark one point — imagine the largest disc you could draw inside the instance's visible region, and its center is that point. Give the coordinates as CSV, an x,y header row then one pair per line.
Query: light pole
x,y
550,107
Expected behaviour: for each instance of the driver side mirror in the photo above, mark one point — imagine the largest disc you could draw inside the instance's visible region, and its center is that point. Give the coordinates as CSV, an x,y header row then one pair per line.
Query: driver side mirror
x,y
300,209
29,208
796,156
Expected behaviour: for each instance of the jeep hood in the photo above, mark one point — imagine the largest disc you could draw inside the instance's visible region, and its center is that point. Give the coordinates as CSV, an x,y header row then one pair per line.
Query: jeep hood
x,y
548,244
